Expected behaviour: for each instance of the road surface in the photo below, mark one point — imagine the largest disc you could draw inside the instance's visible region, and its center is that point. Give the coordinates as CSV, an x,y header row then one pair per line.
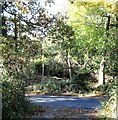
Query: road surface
x,y
66,101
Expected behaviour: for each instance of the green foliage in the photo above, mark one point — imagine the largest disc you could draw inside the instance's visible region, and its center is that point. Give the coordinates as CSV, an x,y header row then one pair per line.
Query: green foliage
x,y
57,69
102,88
14,103
51,68
49,86
13,100
109,107
18,64
55,86
80,83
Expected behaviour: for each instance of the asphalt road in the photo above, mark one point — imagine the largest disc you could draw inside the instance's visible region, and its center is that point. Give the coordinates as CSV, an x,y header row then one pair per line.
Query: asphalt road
x,y
66,101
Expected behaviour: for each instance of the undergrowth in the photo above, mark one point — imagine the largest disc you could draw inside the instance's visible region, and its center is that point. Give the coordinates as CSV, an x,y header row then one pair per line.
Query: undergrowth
x,y
59,86
109,109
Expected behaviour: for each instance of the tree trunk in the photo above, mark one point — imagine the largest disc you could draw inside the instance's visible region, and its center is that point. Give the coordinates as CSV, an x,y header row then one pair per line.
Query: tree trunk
x,y
15,32
42,59
102,72
102,63
69,65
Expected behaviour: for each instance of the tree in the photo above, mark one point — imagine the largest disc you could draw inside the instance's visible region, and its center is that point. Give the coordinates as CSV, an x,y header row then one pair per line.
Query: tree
x,y
63,36
20,27
88,19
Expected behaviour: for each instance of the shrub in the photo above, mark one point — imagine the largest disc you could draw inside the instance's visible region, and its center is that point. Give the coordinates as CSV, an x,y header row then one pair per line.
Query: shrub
x,y
102,88
52,86
14,103
79,83
59,86
75,88
109,106
13,100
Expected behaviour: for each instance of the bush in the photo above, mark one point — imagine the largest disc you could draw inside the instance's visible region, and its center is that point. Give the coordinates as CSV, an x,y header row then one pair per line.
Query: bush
x,y
59,86
79,83
102,88
15,66
75,88
51,86
109,106
14,103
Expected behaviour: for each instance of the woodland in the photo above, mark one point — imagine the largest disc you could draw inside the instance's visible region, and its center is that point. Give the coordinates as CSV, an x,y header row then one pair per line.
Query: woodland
x,y
68,53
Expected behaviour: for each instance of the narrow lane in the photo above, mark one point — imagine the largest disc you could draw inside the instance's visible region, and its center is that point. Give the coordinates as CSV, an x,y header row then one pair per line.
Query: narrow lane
x,y
66,101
